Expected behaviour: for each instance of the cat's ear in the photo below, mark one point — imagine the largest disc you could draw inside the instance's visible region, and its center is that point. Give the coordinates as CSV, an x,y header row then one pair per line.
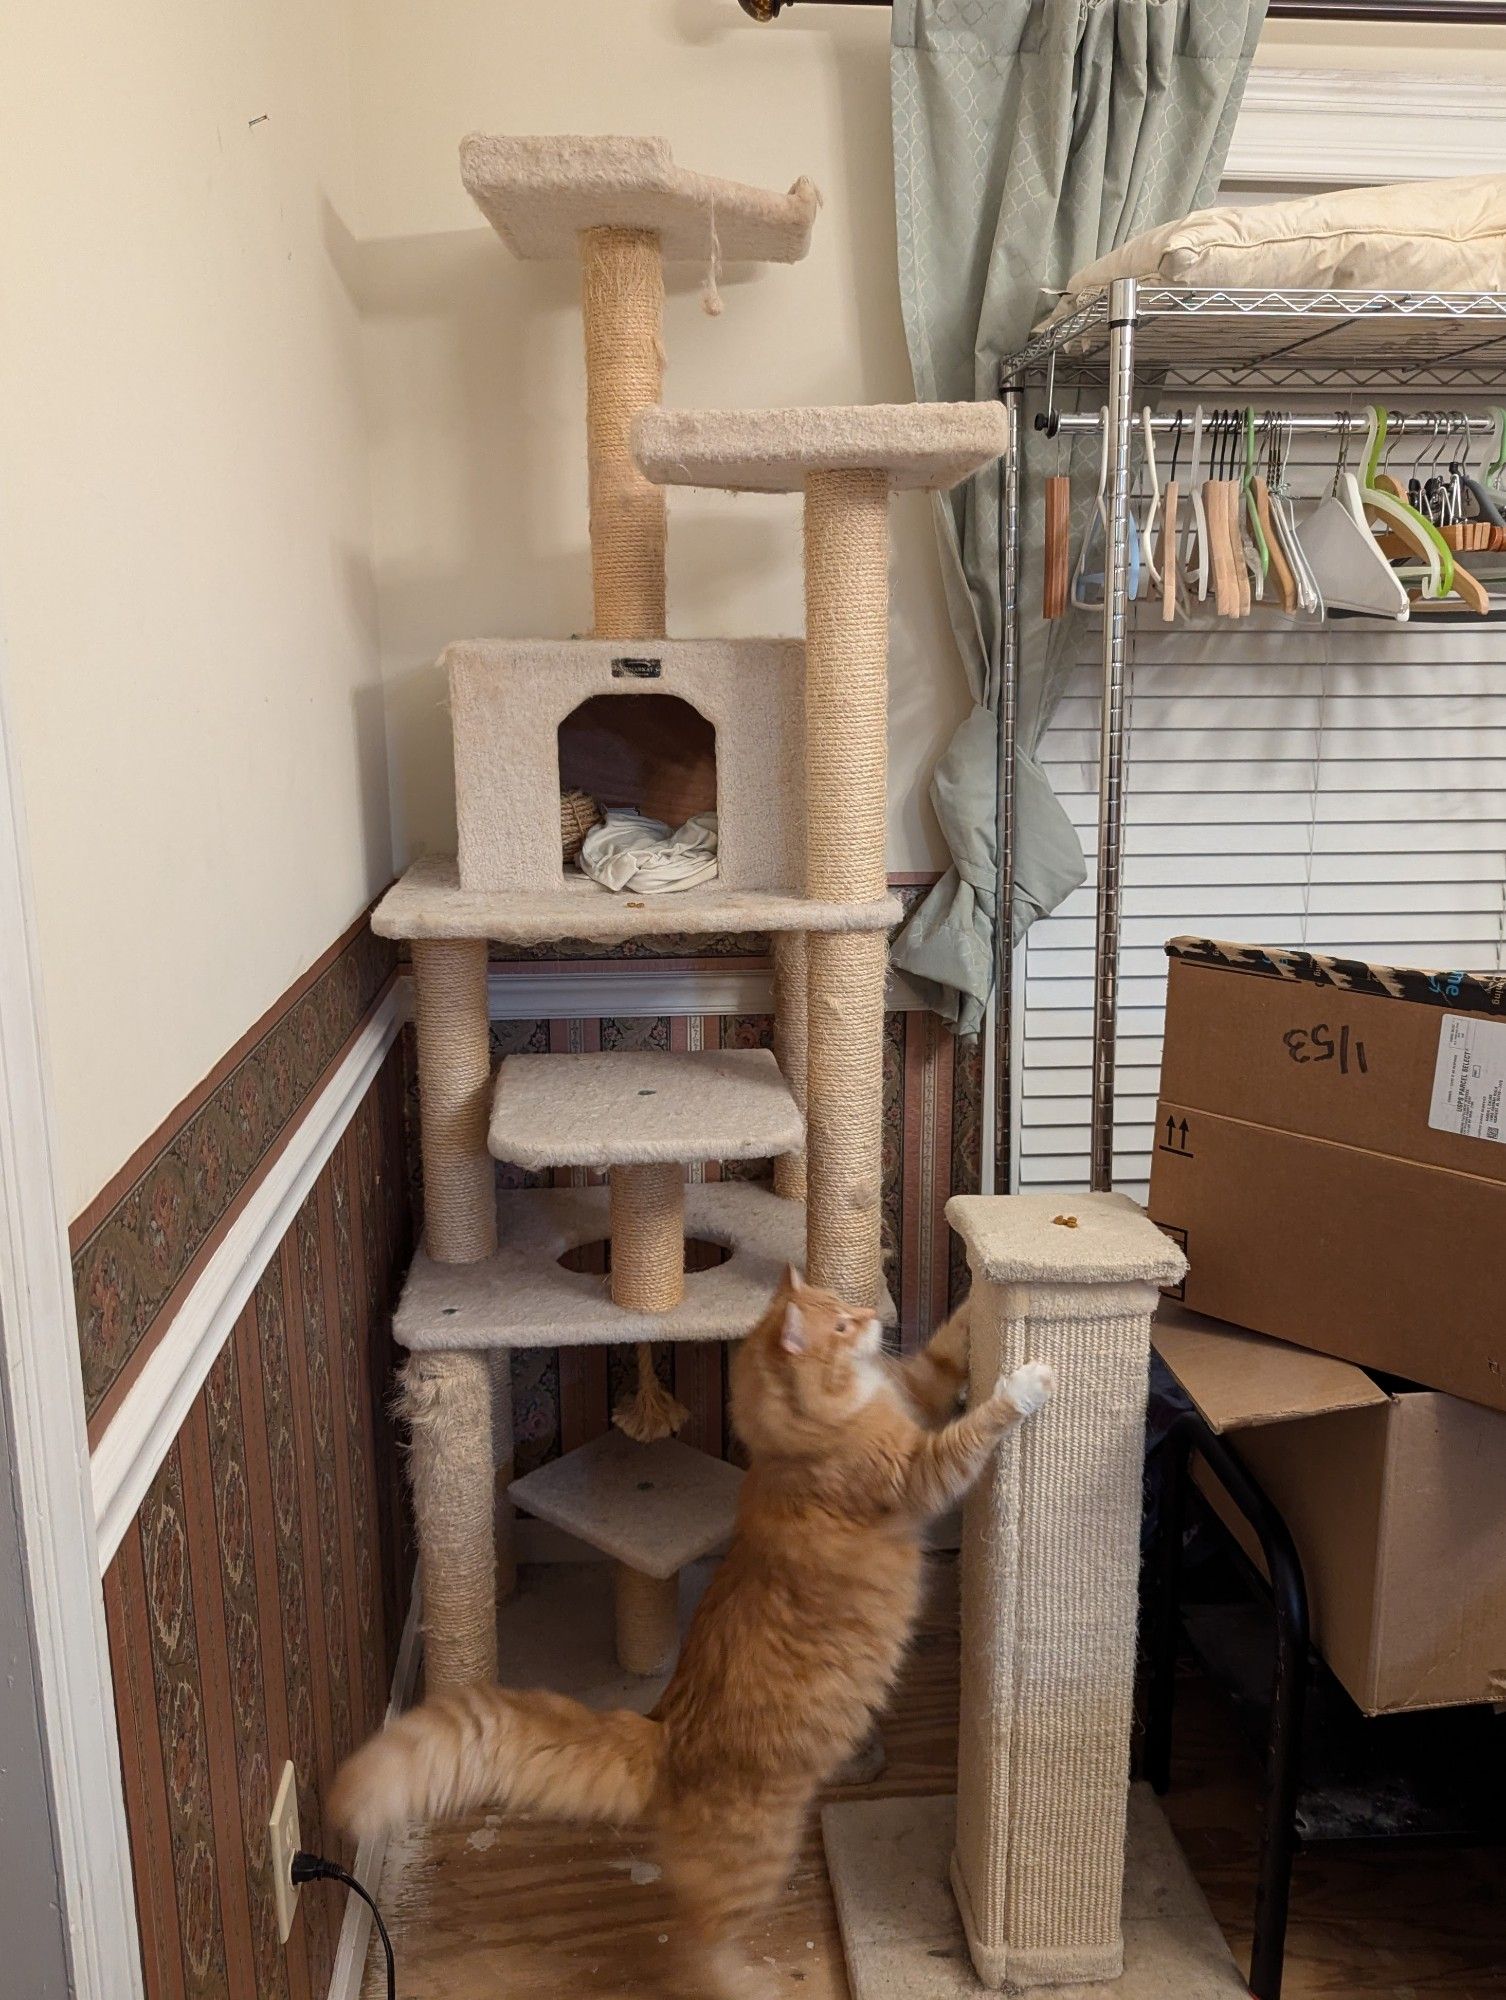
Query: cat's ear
x,y
794,1281
792,1330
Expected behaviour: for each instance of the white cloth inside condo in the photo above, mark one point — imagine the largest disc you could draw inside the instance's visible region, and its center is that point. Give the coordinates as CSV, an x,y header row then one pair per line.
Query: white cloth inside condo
x,y
630,851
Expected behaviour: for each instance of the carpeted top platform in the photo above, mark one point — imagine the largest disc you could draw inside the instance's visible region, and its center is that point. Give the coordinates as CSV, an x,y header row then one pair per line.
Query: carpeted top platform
x,y
428,902
539,193
931,445
625,1107
1071,1239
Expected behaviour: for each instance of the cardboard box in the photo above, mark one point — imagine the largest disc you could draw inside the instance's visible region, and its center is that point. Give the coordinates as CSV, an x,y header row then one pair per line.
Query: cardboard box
x,y
1396,1502
1331,1154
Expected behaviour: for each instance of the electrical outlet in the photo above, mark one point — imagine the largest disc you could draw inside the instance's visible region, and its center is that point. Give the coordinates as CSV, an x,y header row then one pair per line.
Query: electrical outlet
x,y
283,1830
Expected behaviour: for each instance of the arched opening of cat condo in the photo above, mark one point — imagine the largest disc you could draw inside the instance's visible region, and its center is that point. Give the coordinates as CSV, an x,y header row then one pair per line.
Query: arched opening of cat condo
x,y
638,791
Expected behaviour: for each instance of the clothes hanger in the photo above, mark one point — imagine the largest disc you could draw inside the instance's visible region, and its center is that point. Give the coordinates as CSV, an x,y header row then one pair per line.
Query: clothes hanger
x,y
1152,571
1171,502
1351,572
1085,580
1420,541
1216,527
1057,544
1284,513
1258,557
1195,568
1277,566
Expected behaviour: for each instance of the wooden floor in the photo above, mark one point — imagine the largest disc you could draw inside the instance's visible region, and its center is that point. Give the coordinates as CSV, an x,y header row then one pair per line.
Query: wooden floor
x,y
491,1910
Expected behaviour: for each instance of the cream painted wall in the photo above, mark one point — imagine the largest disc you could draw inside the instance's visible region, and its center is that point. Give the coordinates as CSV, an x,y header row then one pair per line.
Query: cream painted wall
x,y
185,582
475,373
474,370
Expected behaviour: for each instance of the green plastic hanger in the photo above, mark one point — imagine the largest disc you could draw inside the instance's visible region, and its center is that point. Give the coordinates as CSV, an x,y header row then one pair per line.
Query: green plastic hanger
x,y
1252,512
1439,581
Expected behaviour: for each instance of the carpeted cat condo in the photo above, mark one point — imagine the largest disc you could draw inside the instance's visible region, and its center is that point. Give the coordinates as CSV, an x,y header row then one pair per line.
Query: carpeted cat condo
x,y
786,744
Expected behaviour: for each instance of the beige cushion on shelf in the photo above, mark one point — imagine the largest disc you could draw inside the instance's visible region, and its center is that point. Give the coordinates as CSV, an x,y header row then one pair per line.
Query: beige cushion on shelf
x,y
930,445
538,194
1432,236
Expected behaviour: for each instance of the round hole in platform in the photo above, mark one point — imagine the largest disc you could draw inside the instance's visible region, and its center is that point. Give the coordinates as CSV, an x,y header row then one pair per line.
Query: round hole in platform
x,y
594,1258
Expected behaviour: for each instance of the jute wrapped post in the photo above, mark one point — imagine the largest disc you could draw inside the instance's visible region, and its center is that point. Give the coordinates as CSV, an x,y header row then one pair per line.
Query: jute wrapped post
x,y
791,976
1050,1562
454,1090
648,1274
648,1619
446,1402
504,1514
622,304
846,767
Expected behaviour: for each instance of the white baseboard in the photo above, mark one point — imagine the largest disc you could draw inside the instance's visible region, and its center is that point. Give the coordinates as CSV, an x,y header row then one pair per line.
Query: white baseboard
x,y
355,1933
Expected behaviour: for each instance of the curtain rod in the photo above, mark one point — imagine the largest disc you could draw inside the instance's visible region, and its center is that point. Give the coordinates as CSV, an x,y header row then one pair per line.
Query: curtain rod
x,y
1333,10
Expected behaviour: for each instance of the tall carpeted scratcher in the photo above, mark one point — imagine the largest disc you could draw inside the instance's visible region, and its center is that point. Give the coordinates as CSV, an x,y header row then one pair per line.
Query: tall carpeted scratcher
x,y
796,733
1047,1887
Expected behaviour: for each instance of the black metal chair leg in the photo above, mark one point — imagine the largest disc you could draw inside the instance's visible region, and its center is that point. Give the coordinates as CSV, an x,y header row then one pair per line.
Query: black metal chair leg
x,y
1278,1836
1164,1624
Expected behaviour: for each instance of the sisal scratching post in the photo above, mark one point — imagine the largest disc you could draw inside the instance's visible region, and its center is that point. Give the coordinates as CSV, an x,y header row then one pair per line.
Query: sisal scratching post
x,y
1050,1563
454,1082
790,986
622,304
505,1515
446,1402
648,1619
846,769
648,1275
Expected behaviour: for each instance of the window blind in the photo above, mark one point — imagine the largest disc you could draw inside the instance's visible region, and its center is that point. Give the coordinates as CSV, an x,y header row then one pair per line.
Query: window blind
x,y
1338,786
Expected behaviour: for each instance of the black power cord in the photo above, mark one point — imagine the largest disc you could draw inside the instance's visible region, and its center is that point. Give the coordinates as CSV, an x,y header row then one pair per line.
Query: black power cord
x,y
314,1868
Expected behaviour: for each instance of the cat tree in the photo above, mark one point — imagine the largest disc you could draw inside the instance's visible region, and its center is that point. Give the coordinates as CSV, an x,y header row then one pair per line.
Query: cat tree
x,y
792,725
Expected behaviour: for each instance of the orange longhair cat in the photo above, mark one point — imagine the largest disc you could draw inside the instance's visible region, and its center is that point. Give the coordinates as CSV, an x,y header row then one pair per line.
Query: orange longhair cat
x,y
794,1647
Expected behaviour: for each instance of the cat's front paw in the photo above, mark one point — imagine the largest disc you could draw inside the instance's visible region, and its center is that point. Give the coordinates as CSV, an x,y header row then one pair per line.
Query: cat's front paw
x,y
1030,1387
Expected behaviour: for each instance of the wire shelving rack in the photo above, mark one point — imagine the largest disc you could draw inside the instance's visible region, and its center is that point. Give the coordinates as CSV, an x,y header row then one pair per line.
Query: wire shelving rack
x,y
1156,339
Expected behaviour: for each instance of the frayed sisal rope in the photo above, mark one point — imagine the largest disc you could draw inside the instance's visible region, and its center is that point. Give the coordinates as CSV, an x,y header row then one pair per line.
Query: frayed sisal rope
x,y
711,298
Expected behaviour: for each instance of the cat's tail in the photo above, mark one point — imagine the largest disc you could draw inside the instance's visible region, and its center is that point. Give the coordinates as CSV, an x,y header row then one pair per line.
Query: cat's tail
x,y
492,1746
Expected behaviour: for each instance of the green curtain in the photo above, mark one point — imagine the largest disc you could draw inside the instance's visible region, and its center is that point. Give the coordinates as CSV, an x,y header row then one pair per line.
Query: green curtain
x,y
1030,136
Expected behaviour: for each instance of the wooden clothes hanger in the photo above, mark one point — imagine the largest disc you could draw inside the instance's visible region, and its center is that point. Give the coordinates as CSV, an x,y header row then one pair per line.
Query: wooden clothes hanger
x,y
1278,568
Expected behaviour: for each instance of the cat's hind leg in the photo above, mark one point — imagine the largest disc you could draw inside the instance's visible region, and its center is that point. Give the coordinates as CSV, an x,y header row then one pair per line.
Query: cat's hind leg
x,y
725,1863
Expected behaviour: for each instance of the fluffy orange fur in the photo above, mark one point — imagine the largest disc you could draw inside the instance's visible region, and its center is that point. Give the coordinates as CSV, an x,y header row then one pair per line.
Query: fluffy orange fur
x,y
794,1647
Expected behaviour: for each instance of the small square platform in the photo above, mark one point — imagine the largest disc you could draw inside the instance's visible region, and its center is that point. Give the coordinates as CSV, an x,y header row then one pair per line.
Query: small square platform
x,y
633,1108
655,1507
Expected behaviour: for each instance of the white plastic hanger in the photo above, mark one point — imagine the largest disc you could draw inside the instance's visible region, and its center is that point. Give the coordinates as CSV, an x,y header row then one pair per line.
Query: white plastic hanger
x,y
1309,596
1088,585
1345,559
1153,511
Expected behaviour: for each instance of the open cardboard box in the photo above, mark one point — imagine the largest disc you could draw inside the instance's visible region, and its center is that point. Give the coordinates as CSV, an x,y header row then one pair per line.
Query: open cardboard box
x,y
1395,1498
1331,1155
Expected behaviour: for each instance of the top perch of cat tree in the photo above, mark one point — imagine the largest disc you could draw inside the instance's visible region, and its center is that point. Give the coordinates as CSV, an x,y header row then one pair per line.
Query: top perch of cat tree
x,y
539,194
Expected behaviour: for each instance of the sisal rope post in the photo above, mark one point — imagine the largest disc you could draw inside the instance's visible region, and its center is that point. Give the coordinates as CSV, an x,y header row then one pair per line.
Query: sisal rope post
x,y
648,1275
622,306
790,983
504,1513
454,1091
446,1402
846,759
648,1619
845,1128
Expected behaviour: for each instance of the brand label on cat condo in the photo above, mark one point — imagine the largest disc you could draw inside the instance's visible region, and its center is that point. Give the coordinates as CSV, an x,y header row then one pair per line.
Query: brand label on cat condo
x,y
1469,1078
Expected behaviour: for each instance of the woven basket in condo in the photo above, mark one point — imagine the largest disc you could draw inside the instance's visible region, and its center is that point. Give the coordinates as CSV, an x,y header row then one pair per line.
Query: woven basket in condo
x,y
579,812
